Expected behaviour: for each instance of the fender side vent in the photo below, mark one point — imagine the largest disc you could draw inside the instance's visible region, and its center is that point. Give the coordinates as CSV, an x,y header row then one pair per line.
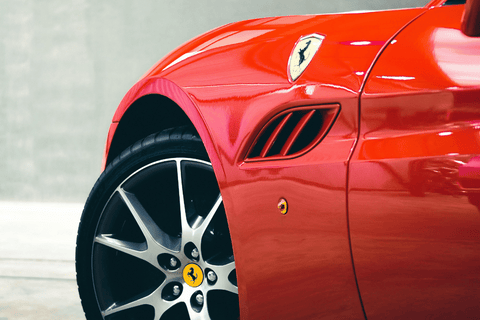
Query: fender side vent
x,y
293,133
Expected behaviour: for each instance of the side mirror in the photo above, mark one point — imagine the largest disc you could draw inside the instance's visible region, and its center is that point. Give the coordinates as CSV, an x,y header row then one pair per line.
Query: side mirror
x,y
471,18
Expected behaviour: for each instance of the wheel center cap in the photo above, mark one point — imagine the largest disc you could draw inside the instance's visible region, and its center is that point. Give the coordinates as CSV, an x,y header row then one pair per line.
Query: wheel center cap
x,y
193,275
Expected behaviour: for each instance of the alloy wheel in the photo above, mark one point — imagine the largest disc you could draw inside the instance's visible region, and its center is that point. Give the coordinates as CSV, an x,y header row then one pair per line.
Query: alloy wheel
x,y
162,249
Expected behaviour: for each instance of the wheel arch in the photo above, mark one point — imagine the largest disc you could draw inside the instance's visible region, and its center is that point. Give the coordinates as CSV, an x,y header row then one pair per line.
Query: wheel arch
x,y
149,114
152,105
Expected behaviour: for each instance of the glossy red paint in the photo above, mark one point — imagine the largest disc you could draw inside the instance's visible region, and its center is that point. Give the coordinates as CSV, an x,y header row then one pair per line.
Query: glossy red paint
x,y
413,203
231,81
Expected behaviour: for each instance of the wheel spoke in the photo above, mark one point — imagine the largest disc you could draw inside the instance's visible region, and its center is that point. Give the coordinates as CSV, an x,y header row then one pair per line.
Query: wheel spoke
x,y
202,315
114,308
223,283
153,299
186,229
152,233
200,231
137,250
161,306
132,303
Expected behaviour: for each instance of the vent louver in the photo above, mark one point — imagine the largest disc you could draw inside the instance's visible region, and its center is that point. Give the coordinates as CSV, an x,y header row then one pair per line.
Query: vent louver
x,y
293,133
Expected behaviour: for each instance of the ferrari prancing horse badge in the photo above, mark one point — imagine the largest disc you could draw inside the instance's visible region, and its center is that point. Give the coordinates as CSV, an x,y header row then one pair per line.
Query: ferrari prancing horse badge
x,y
302,54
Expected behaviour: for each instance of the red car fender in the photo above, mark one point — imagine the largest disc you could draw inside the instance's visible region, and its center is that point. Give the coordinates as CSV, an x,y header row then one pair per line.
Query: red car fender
x,y
342,65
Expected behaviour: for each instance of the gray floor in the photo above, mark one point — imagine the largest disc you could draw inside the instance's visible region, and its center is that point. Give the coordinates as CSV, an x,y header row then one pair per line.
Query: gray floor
x,y
37,252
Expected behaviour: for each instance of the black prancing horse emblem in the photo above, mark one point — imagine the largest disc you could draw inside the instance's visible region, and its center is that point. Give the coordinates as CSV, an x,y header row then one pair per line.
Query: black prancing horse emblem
x,y
301,52
192,275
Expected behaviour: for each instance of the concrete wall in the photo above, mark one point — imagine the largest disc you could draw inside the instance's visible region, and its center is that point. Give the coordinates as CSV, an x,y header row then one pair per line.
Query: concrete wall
x,y
66,64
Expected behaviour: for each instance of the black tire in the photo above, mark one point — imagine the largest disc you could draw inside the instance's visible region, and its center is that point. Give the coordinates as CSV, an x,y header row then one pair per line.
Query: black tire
x,y
142,251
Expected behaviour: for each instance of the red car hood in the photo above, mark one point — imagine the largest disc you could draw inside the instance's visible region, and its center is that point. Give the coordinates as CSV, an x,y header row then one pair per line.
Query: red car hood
x,y
257,51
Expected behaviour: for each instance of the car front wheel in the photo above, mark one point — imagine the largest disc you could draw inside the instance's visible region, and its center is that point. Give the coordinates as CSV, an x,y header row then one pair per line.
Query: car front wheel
x,y
153,241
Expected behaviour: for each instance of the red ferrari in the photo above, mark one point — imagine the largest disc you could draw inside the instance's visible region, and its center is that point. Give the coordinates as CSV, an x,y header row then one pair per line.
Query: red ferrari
x,y
301,167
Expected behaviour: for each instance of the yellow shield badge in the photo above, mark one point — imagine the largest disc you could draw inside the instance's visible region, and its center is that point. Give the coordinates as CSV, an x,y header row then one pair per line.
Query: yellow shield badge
x,y
192,275
302,54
